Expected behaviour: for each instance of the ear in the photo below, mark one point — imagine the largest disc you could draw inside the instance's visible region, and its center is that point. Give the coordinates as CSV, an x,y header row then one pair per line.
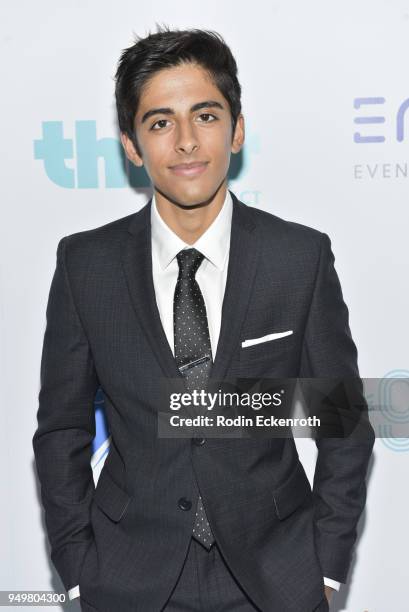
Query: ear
x,y
239,133
130,151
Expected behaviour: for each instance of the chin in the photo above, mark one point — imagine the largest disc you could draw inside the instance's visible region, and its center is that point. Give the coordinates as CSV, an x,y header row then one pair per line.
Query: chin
x,y
189,197
193,201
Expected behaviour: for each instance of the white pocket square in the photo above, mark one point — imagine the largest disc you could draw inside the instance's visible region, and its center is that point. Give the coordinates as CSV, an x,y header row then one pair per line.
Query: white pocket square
x,y
265,338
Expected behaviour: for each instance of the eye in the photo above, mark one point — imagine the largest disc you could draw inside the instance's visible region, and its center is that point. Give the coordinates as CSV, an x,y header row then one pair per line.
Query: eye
x,y
214,118
157,123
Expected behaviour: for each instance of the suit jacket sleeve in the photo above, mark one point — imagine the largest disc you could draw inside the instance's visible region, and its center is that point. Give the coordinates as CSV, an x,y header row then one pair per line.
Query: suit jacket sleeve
x,y
339,487
62,442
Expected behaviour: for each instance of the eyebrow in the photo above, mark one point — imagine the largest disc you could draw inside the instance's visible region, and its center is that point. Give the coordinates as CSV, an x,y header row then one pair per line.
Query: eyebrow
x,y
170,111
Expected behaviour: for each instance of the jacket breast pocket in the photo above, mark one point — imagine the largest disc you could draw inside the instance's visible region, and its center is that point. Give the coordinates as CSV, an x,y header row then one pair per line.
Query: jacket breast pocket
x,y
292,492
268,349
112,499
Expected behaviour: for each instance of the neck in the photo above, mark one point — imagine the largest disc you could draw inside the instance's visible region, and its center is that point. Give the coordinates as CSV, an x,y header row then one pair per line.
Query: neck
x,y
190,223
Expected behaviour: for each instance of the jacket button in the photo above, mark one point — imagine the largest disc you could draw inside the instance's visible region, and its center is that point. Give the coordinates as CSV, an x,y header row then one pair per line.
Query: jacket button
x,y
184,504
199,441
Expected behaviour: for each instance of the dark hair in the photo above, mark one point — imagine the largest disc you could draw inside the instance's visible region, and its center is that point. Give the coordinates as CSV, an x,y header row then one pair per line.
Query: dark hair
x,y
167,48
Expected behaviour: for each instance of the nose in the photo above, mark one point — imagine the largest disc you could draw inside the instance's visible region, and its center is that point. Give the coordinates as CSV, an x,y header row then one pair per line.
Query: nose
x,y
186,140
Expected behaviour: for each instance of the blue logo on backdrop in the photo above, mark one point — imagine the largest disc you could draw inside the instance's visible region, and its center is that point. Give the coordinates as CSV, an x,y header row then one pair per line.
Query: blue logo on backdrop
x,y
373,127
389,384
55,150
101,442
377,136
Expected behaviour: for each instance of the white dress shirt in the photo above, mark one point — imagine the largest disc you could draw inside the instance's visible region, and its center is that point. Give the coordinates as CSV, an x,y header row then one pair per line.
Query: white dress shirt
x,y
211,277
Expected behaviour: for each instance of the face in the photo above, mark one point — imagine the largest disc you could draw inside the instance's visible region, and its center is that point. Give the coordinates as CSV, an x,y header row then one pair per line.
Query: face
x,y
184,131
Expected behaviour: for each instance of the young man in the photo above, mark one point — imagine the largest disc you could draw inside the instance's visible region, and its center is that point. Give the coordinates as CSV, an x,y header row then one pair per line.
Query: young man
x,y
200,523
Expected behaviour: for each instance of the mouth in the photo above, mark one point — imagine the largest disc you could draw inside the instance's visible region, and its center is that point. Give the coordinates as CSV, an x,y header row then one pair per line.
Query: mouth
x,y
192,169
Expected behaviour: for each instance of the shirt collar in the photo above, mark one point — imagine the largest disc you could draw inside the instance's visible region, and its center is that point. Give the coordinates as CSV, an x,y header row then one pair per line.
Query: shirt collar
x,y
214,243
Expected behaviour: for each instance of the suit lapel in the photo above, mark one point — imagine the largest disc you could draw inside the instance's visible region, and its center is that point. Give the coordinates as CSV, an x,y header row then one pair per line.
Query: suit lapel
x,y
136,255
243,258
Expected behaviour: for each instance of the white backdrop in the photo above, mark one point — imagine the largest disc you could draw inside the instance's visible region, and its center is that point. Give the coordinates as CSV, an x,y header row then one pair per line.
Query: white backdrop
x,y
310,72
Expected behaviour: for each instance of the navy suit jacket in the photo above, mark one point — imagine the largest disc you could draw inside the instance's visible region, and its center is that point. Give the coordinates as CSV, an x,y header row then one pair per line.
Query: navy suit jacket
x,y
125,541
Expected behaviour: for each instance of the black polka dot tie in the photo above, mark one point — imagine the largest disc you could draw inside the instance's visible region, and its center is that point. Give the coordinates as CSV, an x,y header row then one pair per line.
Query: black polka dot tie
x,y
193,352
